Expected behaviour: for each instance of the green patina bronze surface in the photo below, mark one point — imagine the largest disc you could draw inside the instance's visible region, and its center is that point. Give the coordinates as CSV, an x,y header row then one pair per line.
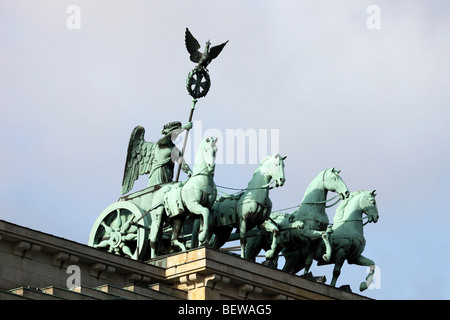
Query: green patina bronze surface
x,y
194,196
347,236
153,158
152,221
203,59
249,208
311,213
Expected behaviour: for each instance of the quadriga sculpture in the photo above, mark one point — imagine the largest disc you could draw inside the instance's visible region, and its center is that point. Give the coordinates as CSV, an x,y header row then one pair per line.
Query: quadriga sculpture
x,y
250,208
301,242
195,196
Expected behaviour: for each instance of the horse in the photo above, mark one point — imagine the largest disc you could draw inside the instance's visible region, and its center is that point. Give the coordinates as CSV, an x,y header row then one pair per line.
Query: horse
x,y
175,202
347,237
249,208
297,244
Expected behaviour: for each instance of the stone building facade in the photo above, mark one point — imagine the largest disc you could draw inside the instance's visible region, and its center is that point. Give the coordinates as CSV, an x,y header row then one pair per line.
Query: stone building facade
x,y
36,265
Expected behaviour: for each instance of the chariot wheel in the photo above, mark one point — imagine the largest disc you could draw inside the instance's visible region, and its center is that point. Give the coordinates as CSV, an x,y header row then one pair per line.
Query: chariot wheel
x,y
116,231
198,82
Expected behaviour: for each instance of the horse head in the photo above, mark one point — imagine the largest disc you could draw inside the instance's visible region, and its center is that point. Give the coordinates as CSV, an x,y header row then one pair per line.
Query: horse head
x,y
333,182
205,161
368,205
273,166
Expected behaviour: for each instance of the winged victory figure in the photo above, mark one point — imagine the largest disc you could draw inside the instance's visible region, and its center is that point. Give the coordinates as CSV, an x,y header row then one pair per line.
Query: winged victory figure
x,y
153,158
205,58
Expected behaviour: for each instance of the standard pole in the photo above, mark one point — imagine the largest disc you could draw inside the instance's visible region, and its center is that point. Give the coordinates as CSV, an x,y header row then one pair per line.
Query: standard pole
x,y
194,101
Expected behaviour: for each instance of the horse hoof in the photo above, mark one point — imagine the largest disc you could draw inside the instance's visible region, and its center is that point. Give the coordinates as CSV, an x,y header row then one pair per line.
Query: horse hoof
x,y
326,257
270,263
270,254
202,237
363,286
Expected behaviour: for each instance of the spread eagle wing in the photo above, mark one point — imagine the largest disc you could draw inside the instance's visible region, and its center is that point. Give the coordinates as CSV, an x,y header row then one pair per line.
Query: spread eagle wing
x,y
139,158
214,51
192,47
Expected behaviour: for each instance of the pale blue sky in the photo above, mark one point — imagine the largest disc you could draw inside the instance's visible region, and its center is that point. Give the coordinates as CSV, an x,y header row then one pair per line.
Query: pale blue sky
x,y
373,103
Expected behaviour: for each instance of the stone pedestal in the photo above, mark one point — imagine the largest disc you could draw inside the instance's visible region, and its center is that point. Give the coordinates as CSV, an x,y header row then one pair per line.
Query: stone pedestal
x,y
33,261
207,274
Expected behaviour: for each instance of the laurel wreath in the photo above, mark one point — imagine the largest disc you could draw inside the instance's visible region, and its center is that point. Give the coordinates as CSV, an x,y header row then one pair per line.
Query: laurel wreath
x,y
198,82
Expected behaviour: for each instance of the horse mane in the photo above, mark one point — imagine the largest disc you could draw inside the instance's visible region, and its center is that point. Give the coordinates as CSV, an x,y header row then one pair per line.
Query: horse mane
x,y
341,208
311,185
261,163
264,160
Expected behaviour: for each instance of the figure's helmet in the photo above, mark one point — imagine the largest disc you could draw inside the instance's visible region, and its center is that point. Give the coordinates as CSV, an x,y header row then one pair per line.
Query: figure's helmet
x,y
168,128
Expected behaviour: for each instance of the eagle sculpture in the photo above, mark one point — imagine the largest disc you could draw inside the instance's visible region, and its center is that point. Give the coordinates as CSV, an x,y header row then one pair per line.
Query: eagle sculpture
x,y
205,58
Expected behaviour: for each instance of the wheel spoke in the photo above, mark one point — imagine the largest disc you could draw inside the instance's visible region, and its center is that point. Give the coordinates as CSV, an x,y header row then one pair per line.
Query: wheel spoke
x,y
126,225
116,223
108,229
130,237
102,244
127,251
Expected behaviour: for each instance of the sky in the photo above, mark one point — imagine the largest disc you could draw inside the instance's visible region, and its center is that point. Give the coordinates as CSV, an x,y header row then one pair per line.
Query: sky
x,y
361,86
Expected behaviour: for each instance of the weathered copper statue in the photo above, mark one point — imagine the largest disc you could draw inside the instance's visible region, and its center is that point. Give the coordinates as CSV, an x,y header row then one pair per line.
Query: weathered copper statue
x,y
346,237
251,207
312,213
153,158
202,58
156,214
198,81
195,196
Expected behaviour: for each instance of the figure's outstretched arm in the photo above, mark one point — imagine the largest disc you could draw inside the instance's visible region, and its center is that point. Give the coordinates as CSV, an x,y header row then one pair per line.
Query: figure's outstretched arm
x,y
173,135
187,126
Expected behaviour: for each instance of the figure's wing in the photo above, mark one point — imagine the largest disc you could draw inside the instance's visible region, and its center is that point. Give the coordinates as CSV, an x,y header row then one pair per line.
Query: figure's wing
x,y
214,51
192,46
139,158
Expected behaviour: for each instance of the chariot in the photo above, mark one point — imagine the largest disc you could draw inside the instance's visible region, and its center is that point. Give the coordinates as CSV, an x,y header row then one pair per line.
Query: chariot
x,y
123,227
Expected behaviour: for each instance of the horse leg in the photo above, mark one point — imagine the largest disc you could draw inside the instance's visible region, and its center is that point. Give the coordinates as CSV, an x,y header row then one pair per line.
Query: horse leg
x,y
194,234
176,226
341,255
211,230
242,236
253,247
270,254
273,261
327,255
314,252
156,216
314,235
197,208
363,261
294,261
221,235
309,261
269,226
